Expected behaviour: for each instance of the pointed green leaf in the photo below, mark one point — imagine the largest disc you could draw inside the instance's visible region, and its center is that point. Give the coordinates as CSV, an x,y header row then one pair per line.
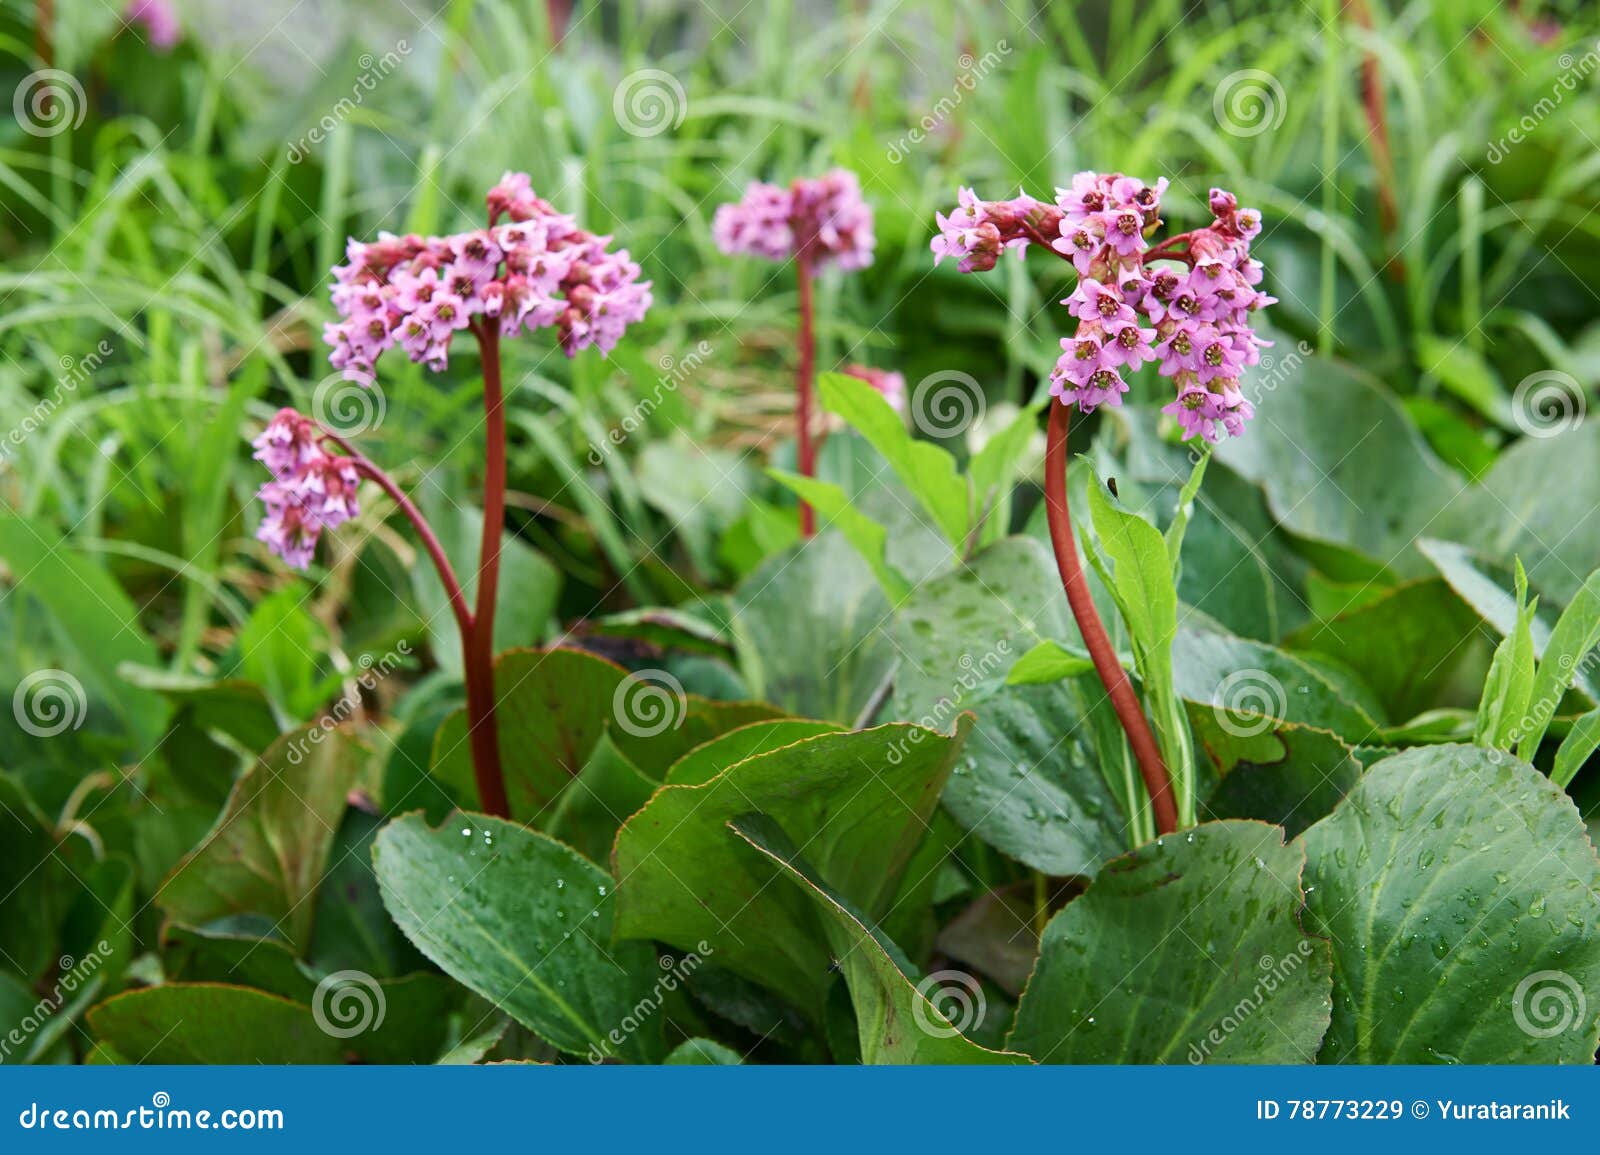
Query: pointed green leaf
x,y
525,922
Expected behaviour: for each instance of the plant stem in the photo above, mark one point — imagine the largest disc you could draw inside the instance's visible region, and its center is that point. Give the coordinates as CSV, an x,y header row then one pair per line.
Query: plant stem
x,y
1157,781
430,541
805,451
479,646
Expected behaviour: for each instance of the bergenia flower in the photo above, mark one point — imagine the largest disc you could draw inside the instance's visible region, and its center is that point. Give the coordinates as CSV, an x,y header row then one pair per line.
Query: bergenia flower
x,y
311,489
536,270
160,21
1185,304
823,219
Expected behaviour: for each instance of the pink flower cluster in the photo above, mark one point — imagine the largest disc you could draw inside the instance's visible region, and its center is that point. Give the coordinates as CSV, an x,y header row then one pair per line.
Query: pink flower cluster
x,y
1184,304
160,21
311,490
825,218
536,270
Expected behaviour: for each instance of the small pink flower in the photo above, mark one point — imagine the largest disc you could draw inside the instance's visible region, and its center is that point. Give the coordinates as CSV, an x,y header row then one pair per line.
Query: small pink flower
x,y
311,490
825,218
891,386
160,21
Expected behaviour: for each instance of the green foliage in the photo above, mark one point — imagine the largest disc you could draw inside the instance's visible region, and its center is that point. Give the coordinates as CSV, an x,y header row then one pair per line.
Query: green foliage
x,y
879,754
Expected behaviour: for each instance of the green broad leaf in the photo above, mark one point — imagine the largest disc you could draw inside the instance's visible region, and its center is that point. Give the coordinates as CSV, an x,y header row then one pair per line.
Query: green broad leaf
x,y
701,1053
925,469
233,707
706,761
859,801
277,649
1509,686
551,708
1540,502
593,805
896,1020
1458,888
868,538
1244,682
1189,950
269,851
1277,772
1048,662
229,958
1365,485
1405,644
1581,742
701,491
698,721
808,631
352,930
358,1021
529,589
525,922
34,886
1464,371
1031,781
996,464
1576,633
95,619
664,627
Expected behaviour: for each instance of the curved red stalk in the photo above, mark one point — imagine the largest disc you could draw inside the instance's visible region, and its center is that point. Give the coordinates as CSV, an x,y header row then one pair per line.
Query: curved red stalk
x,y
1115,679
805,449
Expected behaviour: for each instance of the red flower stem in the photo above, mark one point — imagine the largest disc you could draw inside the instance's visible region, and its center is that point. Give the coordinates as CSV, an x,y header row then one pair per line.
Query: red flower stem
x,y
1115,679
805,450
479,646
430,541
